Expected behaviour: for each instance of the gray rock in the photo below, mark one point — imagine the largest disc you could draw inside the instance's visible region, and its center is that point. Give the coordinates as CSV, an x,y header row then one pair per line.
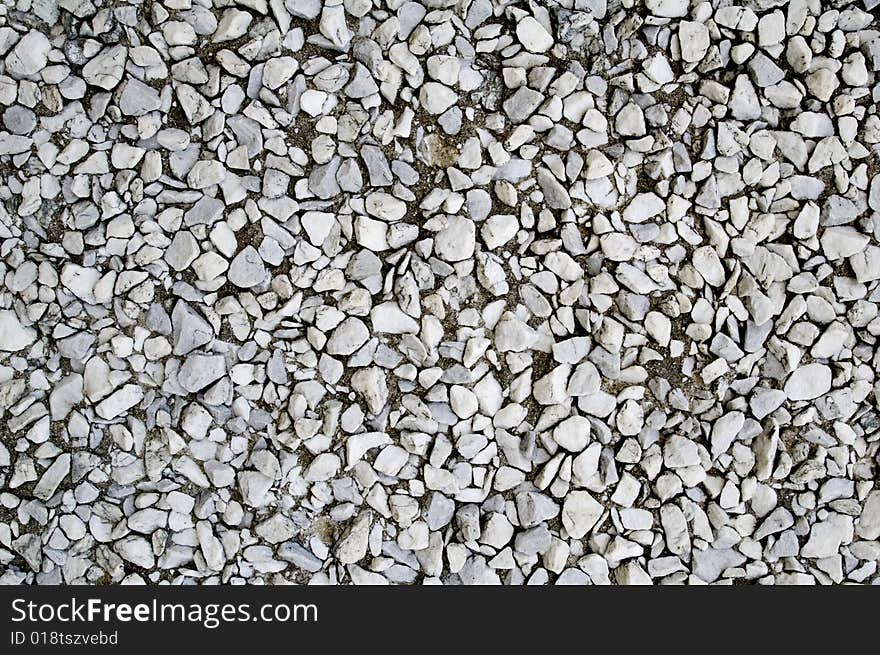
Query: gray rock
x,y
247,269
198,371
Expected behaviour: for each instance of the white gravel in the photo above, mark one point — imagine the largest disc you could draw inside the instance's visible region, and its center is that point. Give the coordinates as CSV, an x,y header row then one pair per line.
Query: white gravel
x,y
419,292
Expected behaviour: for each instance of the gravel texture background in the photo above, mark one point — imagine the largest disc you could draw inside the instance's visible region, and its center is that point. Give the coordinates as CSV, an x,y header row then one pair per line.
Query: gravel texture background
x,y
438,291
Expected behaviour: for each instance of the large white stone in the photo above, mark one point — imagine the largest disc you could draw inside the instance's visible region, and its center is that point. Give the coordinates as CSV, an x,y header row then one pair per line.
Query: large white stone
x,y
13,335
808,382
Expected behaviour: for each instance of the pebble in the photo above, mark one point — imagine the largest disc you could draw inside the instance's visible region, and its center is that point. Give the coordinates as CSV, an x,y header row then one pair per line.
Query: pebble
x,y
247,268
667,8
808,382
436,98
456,241
573,433
29,56
198,371
14,336
533,35
694,39
106,69
119,401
